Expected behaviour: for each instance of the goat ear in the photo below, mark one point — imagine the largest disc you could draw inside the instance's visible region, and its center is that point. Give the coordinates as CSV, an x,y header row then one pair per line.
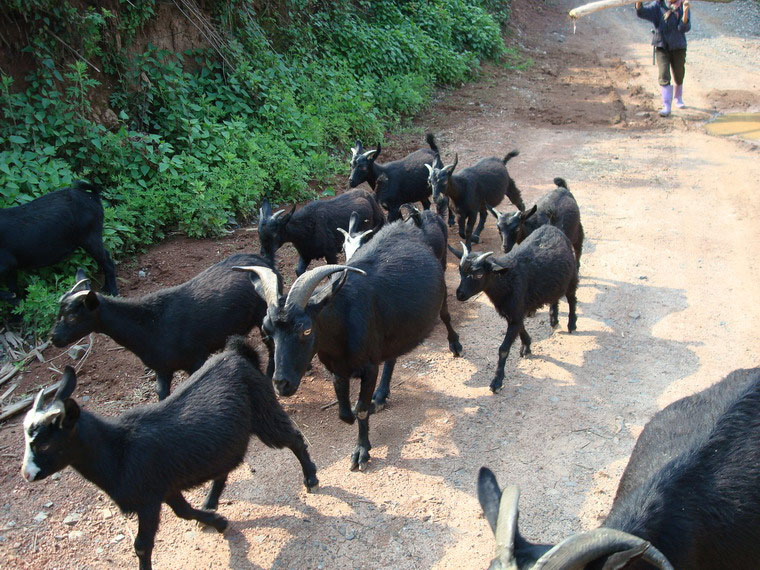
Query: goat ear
x,y
286,217
377,151
353,222
525,215
489,496
80,275
71,413
91,301
68,383
265,211
346,235
494,266
430,168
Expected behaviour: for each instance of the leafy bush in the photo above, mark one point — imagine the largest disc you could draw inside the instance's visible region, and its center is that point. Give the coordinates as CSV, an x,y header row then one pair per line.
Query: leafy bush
x,y
195,140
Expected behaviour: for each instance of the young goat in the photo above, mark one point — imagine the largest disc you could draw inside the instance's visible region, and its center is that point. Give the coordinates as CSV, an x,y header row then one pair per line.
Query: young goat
x,y
405,180
540,271
313,229
171,329
356,322
150,454
689,497
49,229
471,191
557,208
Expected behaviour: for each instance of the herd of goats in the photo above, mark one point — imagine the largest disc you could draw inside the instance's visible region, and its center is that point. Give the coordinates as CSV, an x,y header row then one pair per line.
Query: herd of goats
x,y
689,497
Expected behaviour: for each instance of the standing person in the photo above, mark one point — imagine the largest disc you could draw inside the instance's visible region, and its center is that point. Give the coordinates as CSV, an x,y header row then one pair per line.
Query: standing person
x,y
671,20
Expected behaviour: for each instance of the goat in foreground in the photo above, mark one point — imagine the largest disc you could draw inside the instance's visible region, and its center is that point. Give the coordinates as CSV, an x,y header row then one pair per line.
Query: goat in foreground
x,y
689,497
313,230
49,229
172,329
557,208
539,271
150,454
356,322
402,181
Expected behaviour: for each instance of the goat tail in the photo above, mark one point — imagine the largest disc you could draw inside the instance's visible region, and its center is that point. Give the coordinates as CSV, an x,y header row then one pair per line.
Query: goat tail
x,y
561,183
239,345
510,156
89,186
431,142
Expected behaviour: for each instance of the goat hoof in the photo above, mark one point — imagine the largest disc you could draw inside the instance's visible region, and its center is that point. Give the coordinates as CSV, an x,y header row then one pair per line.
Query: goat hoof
x,y
554,324
312,485
524,350
571,328
475,238
456,349
360,459
376,406
496,385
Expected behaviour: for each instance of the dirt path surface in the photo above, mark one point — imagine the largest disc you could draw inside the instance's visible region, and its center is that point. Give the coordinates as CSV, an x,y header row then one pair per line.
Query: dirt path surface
x,y
666,307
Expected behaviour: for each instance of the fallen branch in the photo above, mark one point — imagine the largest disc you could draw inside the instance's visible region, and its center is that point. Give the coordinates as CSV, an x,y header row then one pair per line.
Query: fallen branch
x,y
26,360
592,7
21,405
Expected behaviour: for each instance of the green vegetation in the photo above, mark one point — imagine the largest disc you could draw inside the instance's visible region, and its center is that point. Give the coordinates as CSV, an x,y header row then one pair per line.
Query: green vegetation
x,y
193,140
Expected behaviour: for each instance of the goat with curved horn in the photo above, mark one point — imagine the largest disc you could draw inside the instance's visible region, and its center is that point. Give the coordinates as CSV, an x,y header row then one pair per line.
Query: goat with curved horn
x,y
304,286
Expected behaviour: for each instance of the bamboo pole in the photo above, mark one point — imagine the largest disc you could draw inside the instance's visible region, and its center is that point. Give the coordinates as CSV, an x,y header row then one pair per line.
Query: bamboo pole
x,y
592,7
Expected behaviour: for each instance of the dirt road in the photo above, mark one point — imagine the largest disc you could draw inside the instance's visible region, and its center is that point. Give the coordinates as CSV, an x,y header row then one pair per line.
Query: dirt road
x,y
669,279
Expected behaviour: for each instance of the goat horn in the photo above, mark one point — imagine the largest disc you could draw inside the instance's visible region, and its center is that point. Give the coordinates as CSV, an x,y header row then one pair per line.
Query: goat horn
x,y
506,526
453,165
345,233
277,214
429,167
575,552
352,222
38,401
482,257
267,279
304,286
369,152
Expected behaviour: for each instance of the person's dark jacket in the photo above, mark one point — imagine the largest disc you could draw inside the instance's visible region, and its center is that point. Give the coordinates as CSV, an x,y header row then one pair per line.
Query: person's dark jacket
x,y
668,34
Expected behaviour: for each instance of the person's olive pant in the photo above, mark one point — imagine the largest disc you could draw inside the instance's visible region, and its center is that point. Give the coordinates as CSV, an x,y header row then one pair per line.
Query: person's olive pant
x,y
667,59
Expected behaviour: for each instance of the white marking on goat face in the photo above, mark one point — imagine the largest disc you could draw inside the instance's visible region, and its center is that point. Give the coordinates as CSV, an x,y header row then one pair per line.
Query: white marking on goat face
x,y
32,421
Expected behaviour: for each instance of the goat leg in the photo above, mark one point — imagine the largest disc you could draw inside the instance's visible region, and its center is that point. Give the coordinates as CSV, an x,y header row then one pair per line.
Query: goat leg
x,y
454,345
184,510
554,315
94,246
512,331
481,225
212,499
147,526
343,393
525,339
571,301
384,389
163,384
360,456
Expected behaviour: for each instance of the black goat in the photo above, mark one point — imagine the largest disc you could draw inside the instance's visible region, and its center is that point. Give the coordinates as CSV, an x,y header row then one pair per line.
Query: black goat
x,y
471,191
557,208
356,322
405,179
150,454
689,497
49,229
313,229
539,271
172,329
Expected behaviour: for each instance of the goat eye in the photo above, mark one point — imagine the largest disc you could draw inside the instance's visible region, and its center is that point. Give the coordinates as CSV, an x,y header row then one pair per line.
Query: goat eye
x,y
478,274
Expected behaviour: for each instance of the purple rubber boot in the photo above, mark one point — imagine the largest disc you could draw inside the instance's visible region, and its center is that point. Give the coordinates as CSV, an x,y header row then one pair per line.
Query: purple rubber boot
x,y
678,95
667,99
